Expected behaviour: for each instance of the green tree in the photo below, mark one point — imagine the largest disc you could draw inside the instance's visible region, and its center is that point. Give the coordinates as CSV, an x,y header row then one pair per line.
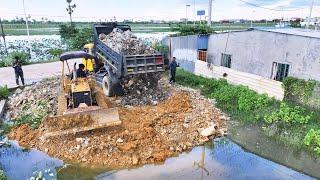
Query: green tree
x,y
184,30
70,9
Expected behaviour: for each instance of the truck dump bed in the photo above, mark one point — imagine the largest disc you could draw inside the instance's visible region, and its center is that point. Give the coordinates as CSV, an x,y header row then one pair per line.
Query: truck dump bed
x,y
125,64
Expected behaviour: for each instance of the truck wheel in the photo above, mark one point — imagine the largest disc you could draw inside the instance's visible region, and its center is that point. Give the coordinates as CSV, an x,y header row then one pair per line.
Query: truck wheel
x,y
107,86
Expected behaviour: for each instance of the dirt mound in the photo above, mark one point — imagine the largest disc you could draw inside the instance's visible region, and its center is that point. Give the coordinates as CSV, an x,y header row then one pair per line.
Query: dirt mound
x,y
63,123
148,134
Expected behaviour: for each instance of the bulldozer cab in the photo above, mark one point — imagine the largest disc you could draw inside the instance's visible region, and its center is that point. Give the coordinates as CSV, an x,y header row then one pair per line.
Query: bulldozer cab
x,y
77,101
78,89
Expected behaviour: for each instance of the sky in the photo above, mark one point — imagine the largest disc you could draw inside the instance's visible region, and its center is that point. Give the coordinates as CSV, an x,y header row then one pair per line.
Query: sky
x,y
95,10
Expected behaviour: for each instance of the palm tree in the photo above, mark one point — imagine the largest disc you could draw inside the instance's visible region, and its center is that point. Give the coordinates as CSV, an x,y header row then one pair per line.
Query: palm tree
x,y
70,9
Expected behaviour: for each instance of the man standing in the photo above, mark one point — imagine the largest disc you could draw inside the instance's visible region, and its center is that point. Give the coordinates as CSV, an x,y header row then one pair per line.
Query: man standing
x,y
173,68
18,70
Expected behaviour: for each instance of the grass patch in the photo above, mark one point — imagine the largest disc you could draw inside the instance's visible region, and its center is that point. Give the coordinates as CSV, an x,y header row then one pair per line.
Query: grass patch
x,y
2,175
281,120
4,92
32,117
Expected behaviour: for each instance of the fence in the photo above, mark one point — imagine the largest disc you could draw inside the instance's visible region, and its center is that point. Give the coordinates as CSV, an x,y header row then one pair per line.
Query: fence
x,y
257,83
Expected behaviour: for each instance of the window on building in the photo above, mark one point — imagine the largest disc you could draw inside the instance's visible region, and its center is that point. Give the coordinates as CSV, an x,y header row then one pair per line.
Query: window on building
x,y
202,55
279,71
226,60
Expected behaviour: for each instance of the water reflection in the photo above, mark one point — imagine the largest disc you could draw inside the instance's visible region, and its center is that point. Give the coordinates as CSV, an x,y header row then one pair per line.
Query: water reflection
x,y
219,160
224,160
20,164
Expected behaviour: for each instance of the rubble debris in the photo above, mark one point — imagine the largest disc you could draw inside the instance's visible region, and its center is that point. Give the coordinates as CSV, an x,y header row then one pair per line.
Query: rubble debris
x,y
126,42
144,90
25,101
149,134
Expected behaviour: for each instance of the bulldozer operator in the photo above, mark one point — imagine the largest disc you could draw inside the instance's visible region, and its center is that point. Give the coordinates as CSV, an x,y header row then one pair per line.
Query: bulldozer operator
x,y
81,73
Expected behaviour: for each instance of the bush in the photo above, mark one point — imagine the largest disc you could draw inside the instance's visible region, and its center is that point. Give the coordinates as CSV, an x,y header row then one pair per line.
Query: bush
x,y
161,48
288,115
7,60
33,119
2,175
56,52
241,97
185,30
298,90
312,139
67,31
84,36
4,92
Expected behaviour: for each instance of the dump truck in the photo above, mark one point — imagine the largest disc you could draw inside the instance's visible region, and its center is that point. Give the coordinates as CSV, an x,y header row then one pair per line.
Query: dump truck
x,y
118,67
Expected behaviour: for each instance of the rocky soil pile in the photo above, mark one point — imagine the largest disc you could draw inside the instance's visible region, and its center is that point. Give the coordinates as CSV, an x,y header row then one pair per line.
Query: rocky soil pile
x,y
148,134
144,90
35,101
126,42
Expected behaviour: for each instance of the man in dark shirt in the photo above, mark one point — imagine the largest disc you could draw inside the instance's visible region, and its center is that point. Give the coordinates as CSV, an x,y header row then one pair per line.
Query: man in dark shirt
x,y
81,72
16,64
173,67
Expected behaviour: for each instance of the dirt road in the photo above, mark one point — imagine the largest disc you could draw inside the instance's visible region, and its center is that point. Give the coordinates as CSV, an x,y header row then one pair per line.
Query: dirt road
x,y
32,73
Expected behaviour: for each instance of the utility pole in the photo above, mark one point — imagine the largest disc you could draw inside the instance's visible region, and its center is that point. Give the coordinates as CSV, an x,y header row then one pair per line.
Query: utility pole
x,y
4,37
27,25
194,12
251,26
310,13
188,5
210,12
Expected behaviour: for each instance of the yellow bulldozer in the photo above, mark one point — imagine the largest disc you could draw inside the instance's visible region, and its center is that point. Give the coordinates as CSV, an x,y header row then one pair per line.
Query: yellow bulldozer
x,y
79,99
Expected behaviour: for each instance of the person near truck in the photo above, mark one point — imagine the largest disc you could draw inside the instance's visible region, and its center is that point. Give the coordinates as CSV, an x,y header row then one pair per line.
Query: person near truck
x,y
16,64
173,68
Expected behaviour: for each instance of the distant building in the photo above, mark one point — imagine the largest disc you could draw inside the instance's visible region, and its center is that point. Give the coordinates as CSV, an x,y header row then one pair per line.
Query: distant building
x,y
258,58
313,22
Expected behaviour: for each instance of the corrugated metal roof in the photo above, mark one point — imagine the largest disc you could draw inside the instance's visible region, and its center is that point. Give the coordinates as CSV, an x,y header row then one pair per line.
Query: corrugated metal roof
x,y
293,31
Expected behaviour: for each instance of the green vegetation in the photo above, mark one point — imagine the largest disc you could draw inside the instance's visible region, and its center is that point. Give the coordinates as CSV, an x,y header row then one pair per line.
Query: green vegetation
x,y
287,115
7,60
74,37
281,120
4,92
161,48
56,52
51,28
2,175
238,101
312,139
184,30
33,117
298,90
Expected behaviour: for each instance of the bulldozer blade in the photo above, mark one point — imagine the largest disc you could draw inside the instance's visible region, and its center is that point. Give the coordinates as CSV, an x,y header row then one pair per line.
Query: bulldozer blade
x,y
101,118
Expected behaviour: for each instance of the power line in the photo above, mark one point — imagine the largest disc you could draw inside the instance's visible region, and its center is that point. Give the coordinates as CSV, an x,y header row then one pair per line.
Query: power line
x,y
271,9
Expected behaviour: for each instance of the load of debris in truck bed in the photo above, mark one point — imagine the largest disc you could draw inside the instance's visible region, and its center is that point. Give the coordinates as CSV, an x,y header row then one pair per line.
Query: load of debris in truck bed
x,y
149,133
126,42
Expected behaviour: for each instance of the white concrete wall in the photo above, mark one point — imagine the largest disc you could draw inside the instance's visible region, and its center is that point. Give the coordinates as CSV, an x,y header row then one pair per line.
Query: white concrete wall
x,y
255,51
257,83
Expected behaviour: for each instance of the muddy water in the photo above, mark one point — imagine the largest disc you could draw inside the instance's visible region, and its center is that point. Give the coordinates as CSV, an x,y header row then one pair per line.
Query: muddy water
x,y
254,140
220,159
